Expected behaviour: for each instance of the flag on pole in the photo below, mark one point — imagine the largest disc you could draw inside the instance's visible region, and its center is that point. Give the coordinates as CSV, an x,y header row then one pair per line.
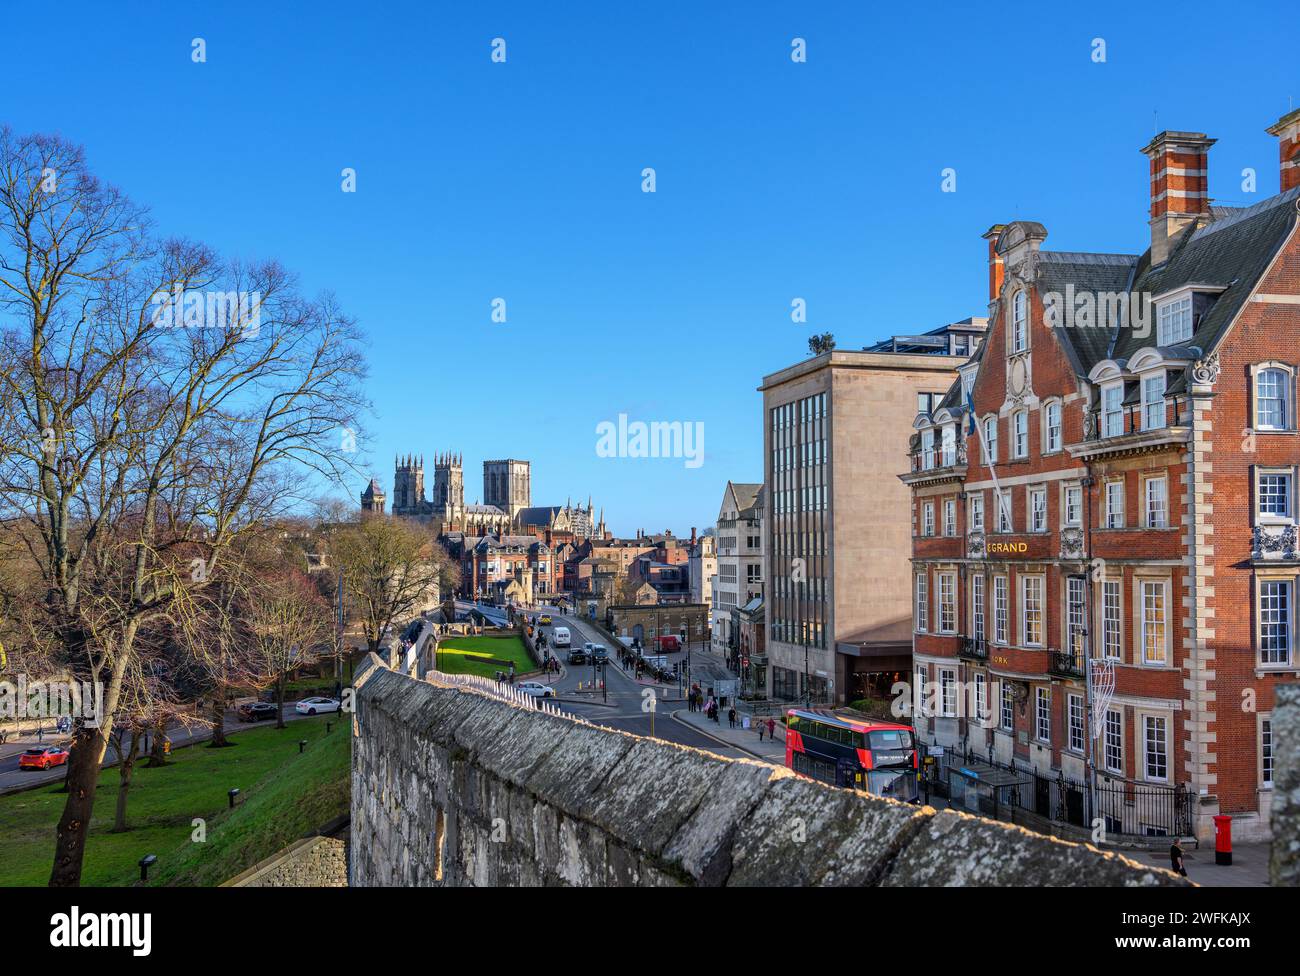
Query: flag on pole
x,y
978,430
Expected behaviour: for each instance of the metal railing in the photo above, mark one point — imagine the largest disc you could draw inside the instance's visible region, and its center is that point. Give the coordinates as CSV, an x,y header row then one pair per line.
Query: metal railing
x,y
1068,664
974,647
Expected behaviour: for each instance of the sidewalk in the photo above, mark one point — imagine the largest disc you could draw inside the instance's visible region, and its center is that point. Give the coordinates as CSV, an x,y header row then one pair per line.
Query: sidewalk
x,y
1249,867
738,738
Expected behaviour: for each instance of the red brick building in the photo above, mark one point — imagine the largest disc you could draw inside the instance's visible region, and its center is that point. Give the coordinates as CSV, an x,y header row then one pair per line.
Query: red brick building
x,y
1136,504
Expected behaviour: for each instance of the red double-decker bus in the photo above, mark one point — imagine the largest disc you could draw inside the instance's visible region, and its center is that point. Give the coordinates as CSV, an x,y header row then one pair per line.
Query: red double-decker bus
x,y
862,754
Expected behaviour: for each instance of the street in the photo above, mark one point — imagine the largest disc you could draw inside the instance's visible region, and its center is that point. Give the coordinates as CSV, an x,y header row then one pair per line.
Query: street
x,y
624,709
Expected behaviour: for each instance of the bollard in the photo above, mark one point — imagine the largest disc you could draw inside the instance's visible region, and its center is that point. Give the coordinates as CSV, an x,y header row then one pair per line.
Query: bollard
x,y
145,863
302,744
232,795
329,727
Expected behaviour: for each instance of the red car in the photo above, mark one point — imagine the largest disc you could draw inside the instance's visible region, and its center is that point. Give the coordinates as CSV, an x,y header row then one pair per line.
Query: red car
x,y
43,758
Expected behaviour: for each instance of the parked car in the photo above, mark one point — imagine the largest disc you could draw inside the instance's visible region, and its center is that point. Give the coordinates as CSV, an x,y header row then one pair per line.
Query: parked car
x,y
256,711
310,706
577,656
536,688
43,757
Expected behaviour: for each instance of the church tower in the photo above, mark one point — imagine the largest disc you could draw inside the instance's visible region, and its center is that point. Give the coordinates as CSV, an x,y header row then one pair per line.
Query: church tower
x,y
408,485
372,499
448,485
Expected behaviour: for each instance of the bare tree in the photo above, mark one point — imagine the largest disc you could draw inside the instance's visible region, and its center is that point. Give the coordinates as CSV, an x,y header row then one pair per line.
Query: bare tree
x,y
390,566
291,628
145,426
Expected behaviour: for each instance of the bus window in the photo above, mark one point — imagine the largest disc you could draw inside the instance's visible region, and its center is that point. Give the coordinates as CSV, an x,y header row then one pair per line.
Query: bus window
x,y
891,739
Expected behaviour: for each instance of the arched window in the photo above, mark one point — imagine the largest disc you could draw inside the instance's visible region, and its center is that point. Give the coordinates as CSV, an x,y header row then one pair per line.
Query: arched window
x,y
1019,323
1273,399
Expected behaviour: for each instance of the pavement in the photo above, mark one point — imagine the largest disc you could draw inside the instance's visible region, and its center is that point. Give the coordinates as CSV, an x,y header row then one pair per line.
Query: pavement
x,y
1249,867
738,737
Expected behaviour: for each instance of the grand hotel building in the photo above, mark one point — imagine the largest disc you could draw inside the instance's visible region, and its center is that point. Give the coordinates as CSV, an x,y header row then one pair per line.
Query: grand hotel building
x,y
1147,510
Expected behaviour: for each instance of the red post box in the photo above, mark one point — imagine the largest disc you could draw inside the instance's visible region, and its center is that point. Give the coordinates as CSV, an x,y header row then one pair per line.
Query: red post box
x,y
1222,839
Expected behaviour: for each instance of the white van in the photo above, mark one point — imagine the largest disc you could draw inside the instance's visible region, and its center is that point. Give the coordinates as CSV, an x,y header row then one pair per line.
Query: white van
x,y
560,637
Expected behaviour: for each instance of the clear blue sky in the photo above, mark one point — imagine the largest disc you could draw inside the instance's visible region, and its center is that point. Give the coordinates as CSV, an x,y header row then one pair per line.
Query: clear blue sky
x,y
522,180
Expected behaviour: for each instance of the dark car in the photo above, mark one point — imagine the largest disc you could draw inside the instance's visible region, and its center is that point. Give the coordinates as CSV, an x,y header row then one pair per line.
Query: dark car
x,y
577,656
599,653
257,711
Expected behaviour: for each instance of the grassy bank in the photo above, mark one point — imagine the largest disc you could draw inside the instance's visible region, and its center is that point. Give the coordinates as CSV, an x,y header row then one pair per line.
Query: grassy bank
x,y
284,795
477,655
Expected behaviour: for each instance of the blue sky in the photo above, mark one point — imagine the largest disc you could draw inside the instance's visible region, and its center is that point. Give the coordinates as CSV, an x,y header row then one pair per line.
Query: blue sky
x,y
775,180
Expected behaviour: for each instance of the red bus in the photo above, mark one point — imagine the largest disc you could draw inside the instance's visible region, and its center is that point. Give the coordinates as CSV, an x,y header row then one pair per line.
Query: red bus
x,y
862,754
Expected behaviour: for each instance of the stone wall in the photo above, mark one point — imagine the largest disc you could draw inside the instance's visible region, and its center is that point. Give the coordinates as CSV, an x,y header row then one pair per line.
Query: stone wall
x,y
452,787
1285,819
313,862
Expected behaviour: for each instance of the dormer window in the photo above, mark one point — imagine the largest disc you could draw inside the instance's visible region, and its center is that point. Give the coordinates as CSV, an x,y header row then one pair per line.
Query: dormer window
x,y
927,449
1153,401
949,443
1112,410
1019,323
1273,398
1174,321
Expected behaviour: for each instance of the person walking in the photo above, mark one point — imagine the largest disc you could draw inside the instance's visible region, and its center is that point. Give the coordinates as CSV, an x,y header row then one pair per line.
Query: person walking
x,y
771,729
731,717
1176,859
759,725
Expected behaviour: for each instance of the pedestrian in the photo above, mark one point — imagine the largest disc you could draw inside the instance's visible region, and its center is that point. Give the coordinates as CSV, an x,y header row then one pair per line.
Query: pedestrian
x,y
759,726
771,729
1176,859
731,716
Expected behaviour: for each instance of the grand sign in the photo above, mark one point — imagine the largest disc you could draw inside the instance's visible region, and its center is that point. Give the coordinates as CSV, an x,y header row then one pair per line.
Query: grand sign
x,y
1006,548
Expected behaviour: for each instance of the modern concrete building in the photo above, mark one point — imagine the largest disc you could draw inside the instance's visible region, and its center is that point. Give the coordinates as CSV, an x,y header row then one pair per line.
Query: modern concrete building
x,y
836,520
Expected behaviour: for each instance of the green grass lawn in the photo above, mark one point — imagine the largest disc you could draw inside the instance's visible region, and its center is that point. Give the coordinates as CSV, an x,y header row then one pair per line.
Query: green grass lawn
x,y
473,655
284,796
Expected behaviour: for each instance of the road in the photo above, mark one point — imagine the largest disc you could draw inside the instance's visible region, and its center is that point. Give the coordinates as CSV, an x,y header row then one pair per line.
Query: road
x,y
11,775
624,708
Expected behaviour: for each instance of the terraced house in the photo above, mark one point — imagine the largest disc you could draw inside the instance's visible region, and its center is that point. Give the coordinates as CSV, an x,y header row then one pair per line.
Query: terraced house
x,y
1104,512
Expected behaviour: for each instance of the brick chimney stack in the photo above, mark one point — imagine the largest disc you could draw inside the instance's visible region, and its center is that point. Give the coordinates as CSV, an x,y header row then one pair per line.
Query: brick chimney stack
x,y
996,269
1287,130
1179,186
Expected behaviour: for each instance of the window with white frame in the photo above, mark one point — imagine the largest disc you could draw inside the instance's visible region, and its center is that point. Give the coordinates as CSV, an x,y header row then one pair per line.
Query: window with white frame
x,y
991,438
976,510
1043,714
950,517
1273,495
1266,751
948,690
1075,615
927,518
920,693
1155,747
1157,507
977,604
947,603
1275,629
1114,504
1052,426
1031,611
1174,321
1073,514
1019,323
1112,410
1113,742
1155,621
922,604
1074,708
949,445
927,449
1020,434
1153,401
981,697
1000,610
1003,498
1110,619
1037,509
1007,700
1273,399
